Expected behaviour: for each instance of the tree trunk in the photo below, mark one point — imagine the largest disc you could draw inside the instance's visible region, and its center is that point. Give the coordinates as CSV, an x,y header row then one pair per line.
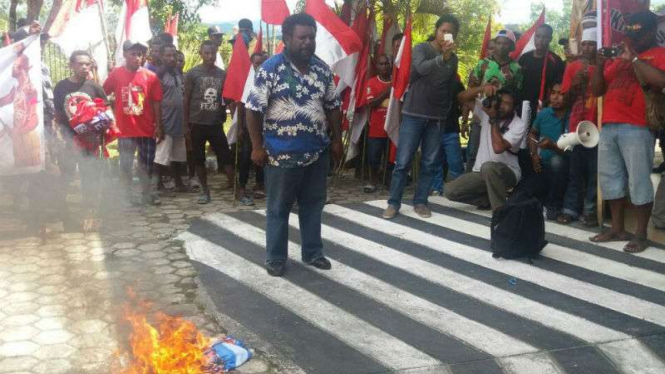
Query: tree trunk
x,y
12,14
34,7
57,4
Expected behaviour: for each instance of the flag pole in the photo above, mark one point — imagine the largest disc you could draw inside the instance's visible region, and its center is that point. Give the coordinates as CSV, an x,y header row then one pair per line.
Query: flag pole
x,y
599,196
104,31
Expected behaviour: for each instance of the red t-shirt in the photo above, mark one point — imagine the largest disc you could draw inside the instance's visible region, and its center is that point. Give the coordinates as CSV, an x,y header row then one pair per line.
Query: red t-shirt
x,y
134,92
377,115
585,107
624,100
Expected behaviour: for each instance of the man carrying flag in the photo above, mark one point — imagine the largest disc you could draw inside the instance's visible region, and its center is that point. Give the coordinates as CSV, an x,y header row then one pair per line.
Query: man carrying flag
x,y
289,111
426,107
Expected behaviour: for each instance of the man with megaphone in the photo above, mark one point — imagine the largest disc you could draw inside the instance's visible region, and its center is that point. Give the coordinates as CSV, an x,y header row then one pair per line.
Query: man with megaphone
x,y
626,148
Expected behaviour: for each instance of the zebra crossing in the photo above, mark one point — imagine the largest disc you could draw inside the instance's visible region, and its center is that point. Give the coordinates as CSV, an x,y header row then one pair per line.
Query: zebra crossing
x,y
417,295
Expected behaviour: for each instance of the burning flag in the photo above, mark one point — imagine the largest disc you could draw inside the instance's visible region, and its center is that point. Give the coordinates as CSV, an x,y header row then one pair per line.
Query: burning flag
x,y
21,112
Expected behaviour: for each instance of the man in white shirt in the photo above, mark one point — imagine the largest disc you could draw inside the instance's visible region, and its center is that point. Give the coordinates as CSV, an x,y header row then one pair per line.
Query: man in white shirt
x,y
496,169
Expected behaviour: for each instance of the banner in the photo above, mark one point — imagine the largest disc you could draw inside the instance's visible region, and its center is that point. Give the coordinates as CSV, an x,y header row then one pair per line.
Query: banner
x,y
22,148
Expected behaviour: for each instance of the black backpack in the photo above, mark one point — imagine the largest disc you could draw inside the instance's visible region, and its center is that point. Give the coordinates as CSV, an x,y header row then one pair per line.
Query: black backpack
x,y
518,228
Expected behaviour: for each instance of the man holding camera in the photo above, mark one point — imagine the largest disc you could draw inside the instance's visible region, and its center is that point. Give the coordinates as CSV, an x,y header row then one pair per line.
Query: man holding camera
x,y
626,147
496,169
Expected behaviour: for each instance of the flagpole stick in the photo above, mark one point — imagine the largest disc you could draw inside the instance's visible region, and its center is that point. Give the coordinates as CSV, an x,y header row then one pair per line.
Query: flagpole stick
x,y
104,31
599,195
362,163
235,167
337,168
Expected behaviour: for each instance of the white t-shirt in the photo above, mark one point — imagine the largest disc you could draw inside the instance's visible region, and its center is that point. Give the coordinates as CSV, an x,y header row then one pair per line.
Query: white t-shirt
x,y
514,135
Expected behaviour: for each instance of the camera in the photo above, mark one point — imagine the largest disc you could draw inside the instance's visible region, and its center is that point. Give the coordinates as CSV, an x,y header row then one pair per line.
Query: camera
x,y
491,101
610,52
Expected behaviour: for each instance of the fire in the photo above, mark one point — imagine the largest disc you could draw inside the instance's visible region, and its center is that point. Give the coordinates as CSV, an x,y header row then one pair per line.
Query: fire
x,y
172,345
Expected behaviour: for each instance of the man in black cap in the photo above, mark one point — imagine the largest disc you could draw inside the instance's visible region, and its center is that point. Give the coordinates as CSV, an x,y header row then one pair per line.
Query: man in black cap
x,y
138,96
216,35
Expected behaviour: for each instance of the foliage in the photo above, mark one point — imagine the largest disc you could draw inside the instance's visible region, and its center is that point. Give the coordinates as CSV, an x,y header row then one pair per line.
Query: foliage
x,y
560,22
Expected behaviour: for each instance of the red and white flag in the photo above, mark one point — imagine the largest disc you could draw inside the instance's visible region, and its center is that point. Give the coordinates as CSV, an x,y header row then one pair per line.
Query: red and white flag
x,y
527,43
258,47
274,12
611,21
66,31
133,24
390,29
336,43
401,75
239,77
486,40
171,28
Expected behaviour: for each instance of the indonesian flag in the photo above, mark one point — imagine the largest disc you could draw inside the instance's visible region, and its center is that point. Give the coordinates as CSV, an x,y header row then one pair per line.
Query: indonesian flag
x,y
527,41
357,114
274,12
401,74
612,19
133,24
390,29
171,28
258,47
336,43
486,39
66,31
238,82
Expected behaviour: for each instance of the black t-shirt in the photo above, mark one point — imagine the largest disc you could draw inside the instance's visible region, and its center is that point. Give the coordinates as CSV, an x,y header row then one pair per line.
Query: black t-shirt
x,y
452,122
532,69
67,93
204,86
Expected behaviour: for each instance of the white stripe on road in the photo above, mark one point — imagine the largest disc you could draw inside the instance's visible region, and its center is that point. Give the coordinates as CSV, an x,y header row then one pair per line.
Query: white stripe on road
x,y
607,298
563,254
539,363
449,323
633,357
363,337
512,303
566,231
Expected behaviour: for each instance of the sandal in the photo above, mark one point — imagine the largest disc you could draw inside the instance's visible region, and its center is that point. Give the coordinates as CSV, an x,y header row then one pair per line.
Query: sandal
x,y
259,194
589,220
609,236
203,199
636,245
369,188
565,219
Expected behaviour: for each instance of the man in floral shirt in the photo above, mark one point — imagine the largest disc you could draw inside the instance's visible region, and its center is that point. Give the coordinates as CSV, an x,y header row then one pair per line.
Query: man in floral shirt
x,y
293,119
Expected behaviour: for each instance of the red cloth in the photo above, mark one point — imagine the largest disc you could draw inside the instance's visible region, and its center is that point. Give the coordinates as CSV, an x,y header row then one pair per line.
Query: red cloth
x,y
134,92
237,72
585,107
377,115
624,100
274,12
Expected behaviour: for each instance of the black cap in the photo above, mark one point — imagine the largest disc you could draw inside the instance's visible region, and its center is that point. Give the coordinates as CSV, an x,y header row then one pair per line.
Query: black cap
x,y
215,30
245,24
647,20
128,44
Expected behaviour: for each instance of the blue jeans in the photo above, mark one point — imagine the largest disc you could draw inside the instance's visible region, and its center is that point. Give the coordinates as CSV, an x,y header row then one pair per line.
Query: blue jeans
x,y
625,155
556,170
450,153
583,173
415,132
285,185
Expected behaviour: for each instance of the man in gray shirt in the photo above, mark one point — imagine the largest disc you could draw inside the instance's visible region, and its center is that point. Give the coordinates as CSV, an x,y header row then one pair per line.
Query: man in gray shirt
x,y
426,107
171,147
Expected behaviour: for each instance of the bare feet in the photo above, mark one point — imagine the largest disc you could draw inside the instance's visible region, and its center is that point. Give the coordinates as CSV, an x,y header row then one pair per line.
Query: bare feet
x,y
636,245
610,236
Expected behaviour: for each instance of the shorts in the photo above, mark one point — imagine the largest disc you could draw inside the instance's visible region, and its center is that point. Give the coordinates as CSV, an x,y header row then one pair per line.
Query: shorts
x,y
202,134
171,150
127,147
625,160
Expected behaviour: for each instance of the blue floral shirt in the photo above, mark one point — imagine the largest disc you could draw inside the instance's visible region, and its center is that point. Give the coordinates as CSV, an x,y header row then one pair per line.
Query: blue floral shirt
x,y
294,105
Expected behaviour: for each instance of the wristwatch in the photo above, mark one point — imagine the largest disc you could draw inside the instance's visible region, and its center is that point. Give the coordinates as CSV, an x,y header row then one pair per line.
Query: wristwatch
x,y
635,59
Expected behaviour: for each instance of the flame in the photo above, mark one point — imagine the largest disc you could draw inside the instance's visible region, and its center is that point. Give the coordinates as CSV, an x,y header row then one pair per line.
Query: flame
x,y
172,345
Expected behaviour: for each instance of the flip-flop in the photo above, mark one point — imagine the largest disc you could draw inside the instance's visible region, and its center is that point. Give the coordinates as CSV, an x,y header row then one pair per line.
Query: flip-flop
x,y
203,199
624,237
564,219
636,245
259,194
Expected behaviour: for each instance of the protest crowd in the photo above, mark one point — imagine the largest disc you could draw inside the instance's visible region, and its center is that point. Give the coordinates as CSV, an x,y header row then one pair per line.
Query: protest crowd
x,y
293,125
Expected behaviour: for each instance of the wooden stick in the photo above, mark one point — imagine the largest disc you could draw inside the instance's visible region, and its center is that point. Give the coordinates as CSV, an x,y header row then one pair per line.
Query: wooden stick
x,y
599,194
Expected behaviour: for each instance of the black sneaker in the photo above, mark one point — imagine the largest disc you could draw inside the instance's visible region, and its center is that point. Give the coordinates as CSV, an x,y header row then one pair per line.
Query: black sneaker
x,y
276,268
321,263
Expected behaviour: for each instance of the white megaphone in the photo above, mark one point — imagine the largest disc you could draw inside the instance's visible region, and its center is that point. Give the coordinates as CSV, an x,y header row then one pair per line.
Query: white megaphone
x,y
586,135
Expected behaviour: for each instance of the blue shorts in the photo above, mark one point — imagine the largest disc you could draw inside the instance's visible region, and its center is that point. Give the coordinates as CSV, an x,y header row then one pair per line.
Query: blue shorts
x,y
625,160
